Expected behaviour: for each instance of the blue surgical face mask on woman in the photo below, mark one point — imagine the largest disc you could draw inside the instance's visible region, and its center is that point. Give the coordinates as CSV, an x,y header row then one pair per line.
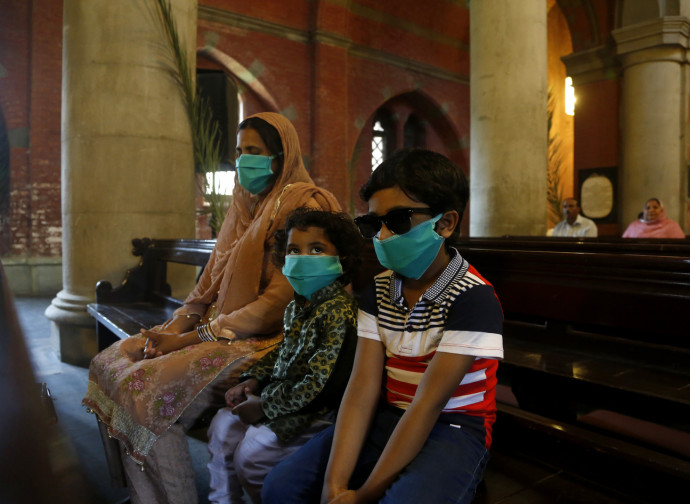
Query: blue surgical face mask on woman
x,y
412,253
309,273
254,172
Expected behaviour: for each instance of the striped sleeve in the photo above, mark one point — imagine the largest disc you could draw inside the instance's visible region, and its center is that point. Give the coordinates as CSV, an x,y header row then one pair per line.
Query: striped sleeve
x,y
474,325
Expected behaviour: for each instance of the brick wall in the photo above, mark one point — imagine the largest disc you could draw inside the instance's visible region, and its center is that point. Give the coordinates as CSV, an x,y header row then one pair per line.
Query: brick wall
x,y
329,89
329,70
30,94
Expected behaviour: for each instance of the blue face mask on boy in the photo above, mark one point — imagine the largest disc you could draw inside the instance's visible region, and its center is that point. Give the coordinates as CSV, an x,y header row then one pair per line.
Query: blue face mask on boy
x,y
412,253
254,172
309,273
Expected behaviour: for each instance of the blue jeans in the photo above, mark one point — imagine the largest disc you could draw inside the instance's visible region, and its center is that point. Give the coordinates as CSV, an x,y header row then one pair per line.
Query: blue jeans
x,y
447,469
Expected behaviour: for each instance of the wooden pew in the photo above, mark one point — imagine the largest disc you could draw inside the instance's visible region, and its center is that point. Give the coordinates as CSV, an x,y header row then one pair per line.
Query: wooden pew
x,y
608,320
590,326
143,299
597,352
612,317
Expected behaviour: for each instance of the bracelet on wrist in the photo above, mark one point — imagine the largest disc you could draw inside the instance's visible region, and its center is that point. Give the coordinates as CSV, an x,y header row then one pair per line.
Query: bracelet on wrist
x,y
205,333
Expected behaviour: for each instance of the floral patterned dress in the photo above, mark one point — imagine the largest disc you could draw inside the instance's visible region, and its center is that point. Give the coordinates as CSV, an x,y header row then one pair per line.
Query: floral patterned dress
x,y
140,399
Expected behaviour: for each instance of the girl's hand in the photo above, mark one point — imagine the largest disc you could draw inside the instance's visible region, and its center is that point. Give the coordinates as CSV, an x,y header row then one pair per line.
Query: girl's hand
x,y
249,411
236,394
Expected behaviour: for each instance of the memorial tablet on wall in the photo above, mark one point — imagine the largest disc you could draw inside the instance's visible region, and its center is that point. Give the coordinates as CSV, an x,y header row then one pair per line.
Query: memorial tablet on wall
x,y
598,194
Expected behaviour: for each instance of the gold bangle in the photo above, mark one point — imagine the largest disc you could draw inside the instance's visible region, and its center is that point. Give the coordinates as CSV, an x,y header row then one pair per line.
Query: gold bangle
x,y
205,333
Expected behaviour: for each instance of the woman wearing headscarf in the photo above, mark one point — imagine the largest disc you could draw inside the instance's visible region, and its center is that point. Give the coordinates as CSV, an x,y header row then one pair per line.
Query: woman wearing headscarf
x,y
654,223
149,389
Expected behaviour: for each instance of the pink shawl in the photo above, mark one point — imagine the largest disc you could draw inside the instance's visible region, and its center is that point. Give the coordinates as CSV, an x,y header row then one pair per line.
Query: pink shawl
x,y
661,227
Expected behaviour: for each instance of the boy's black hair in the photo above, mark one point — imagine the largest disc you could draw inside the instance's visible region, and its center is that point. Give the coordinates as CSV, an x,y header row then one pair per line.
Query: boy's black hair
x,y
339,228
425,176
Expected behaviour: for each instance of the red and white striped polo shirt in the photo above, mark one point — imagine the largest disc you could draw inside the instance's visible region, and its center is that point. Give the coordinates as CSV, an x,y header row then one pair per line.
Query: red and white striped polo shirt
x,y
459,314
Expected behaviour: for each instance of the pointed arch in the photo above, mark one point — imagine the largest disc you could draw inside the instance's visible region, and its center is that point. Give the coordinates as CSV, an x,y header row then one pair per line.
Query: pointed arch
x,y
430,121
241,74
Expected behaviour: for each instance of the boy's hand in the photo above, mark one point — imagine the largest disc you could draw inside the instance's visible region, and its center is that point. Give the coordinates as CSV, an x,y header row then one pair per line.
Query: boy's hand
x,y
249,411
346,497
236,394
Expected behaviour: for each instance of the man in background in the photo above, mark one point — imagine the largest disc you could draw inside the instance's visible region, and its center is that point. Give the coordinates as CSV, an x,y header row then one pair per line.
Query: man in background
x,y
574,224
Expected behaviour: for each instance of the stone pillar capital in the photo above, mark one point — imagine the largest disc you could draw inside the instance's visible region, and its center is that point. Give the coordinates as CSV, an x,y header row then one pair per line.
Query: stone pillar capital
x,y
592,65
662,39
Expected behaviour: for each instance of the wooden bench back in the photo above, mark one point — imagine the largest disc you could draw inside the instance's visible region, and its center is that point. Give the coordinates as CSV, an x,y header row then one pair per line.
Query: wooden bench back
x,y
632,290
149,279
635,289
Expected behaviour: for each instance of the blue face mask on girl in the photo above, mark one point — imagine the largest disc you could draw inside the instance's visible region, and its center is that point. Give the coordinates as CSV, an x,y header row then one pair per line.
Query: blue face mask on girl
x,y
412,253
254,172
309,273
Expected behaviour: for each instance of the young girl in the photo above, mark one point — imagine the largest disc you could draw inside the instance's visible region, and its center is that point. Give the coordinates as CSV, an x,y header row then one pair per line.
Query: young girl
x,y
415,422
291,393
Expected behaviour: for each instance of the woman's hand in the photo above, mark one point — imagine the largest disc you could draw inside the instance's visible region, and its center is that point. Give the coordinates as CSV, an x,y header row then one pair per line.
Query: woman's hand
x,y
158,344
238,394
249,411
179,324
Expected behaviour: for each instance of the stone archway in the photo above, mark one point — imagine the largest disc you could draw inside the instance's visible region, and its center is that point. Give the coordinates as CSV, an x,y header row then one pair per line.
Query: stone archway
x,y
239,72
440,135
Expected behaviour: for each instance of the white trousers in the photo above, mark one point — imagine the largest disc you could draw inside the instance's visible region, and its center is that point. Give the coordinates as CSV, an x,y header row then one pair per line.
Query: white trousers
x,y
242,455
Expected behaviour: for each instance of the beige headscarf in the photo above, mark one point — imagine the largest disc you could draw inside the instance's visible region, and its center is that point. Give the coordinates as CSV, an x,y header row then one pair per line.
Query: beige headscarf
x,y
239,261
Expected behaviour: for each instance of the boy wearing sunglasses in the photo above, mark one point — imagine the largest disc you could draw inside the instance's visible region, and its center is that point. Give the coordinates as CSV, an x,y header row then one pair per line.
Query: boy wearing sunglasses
x,y
415,422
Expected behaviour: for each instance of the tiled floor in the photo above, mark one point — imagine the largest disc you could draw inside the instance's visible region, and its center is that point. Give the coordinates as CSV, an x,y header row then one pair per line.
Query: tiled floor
x,y
508,480
511,480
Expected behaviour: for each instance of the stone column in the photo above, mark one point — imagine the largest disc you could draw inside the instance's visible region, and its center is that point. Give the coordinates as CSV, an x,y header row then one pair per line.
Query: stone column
x,y
127,165
654,115
508,117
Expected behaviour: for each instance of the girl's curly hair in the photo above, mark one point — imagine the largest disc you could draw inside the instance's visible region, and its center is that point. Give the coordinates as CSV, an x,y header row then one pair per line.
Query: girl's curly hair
x,y
339,228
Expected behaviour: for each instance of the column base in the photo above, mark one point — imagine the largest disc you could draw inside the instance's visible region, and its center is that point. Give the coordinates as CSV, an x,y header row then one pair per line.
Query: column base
x,y
73,331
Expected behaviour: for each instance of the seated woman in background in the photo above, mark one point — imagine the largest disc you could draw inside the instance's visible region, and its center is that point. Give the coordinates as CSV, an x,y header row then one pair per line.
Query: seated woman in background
x,y
144,391
654,223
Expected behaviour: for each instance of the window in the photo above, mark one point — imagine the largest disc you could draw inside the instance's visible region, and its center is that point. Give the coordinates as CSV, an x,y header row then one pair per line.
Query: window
x,y
569,96
382,138
378,145
223,181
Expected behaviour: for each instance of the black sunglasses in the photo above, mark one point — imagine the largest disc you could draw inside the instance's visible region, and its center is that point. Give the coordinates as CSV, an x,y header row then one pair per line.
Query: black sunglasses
x,y
398,221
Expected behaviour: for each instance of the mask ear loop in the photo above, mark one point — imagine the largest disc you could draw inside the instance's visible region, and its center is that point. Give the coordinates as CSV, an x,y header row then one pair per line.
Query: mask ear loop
x,y
437,218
